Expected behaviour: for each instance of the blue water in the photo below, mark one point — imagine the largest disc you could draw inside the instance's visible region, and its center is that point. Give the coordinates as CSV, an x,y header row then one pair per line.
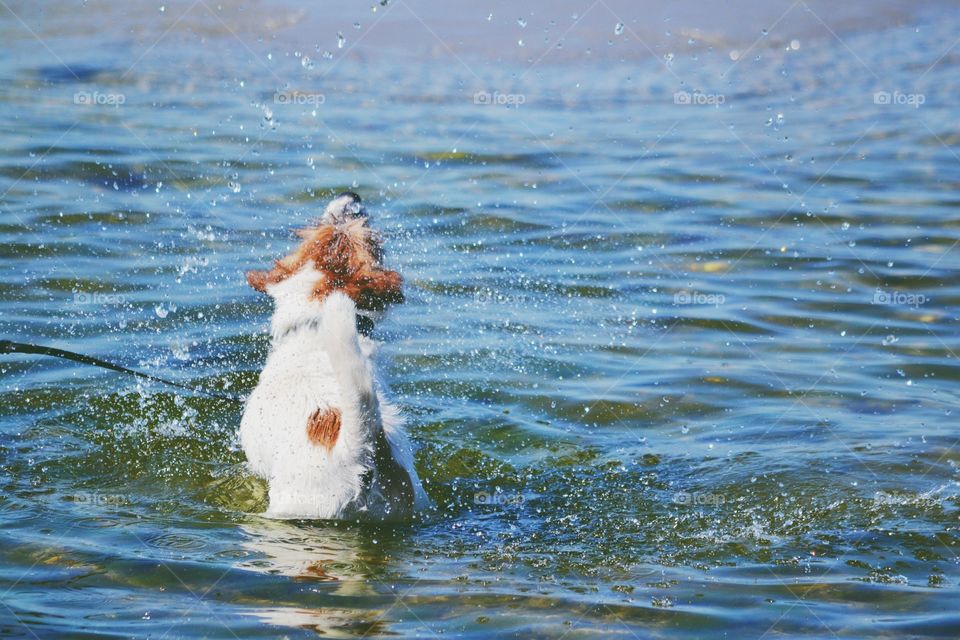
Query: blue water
x,y
679,350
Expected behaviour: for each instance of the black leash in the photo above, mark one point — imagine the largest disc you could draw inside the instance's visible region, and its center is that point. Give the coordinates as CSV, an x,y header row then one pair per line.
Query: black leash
x,y
7,346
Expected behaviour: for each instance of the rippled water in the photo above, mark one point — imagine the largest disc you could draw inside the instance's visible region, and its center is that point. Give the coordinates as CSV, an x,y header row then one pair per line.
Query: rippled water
x,y
674,370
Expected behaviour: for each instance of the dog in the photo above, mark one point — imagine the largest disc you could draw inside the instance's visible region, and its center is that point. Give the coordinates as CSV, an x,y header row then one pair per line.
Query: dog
x,y
318,427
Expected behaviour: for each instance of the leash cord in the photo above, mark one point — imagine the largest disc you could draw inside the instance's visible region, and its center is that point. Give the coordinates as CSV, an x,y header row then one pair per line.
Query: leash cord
x,y
8,346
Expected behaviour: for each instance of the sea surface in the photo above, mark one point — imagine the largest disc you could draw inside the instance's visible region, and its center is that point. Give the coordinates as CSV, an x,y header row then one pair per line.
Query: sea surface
x,y
680,346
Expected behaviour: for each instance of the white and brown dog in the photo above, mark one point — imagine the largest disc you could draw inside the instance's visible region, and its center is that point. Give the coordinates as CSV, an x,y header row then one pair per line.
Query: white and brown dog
x,y
317,427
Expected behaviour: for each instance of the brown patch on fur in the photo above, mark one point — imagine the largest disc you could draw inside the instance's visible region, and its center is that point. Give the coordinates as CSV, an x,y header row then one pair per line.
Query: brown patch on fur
x,y
348,255
374,289
323,427
317,572
259,280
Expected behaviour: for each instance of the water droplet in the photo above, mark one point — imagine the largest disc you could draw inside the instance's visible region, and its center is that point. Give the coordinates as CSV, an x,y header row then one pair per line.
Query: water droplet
x,y
522,23
845,226
340,40
161,311
618,29
356,25
889,340
306,62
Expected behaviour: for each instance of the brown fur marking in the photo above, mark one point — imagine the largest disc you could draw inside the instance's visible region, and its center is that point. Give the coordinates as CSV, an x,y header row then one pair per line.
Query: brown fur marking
x,y
323,427
348,255
317,572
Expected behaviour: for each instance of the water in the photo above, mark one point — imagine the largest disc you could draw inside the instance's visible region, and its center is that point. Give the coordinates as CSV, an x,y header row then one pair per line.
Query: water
x,y
678,351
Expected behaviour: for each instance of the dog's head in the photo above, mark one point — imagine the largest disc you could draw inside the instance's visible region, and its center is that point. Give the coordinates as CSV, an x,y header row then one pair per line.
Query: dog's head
x,y
344,253
345,207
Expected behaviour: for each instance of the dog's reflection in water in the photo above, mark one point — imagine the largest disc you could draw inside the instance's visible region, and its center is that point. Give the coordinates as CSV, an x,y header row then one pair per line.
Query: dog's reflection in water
x,y
343,565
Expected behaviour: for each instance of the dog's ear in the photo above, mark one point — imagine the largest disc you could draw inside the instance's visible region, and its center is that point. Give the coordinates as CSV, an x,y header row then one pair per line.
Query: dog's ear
x,y
375,289
260,280
316,243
